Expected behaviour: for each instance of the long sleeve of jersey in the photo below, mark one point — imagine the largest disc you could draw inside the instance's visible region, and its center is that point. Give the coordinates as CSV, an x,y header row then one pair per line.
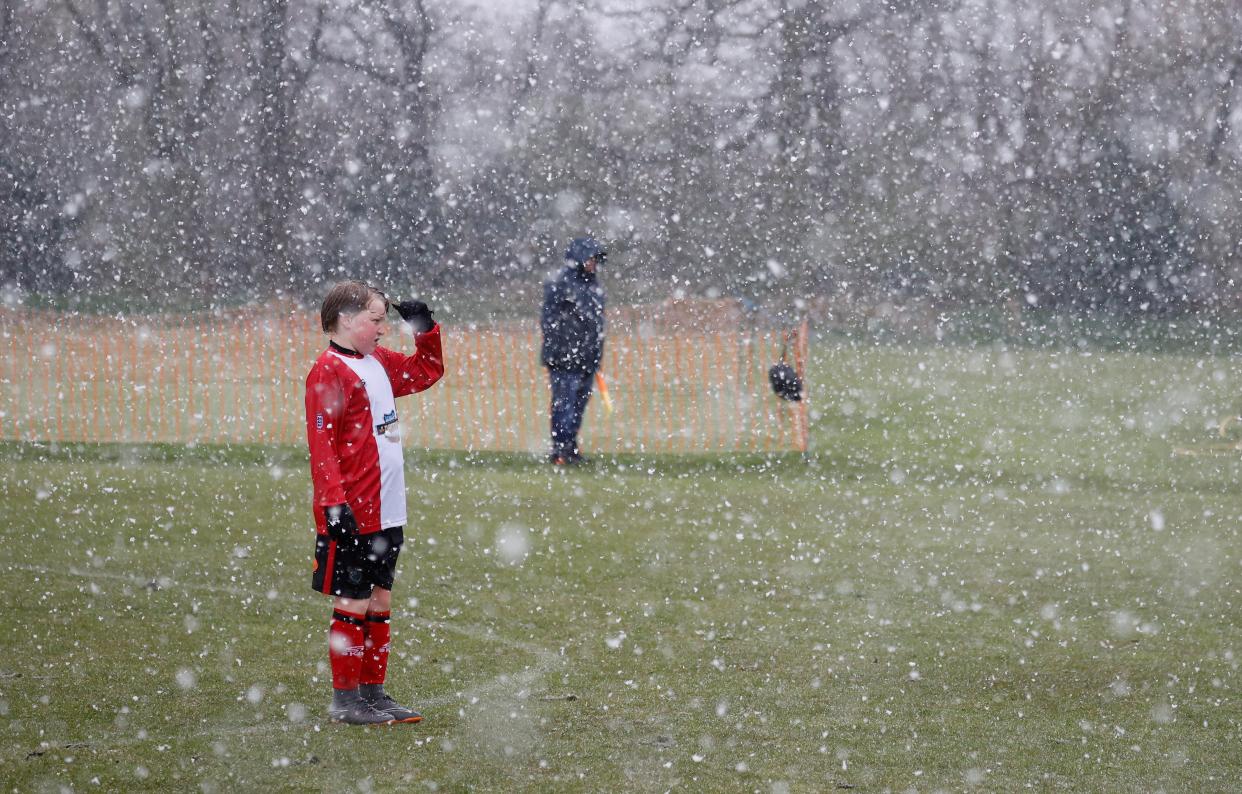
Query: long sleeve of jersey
x,y
325,404
417,372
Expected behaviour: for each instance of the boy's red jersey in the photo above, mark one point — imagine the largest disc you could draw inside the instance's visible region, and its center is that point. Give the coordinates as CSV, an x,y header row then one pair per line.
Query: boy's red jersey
x,y
353,431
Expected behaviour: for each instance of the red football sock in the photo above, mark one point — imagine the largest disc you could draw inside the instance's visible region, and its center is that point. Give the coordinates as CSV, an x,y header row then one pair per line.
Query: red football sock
x,y
375,654
345,641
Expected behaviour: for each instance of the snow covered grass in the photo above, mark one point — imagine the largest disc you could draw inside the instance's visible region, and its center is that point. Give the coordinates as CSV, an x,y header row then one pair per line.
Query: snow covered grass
x,y
995,571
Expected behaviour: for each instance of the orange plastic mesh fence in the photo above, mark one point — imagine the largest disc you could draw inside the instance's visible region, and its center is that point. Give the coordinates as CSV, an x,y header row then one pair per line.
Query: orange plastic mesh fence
x,y
238,377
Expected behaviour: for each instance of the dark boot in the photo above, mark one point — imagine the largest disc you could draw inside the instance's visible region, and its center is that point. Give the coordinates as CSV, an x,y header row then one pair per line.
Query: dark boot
x,y
375,697
349,707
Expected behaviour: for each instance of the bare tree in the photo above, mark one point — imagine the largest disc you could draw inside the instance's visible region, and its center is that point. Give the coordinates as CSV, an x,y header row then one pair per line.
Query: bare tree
x,y
280,73
388,43
31,224
960,147
8,27
165,62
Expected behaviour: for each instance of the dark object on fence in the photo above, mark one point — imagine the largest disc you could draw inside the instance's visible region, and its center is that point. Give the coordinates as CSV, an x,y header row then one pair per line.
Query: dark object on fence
x,y
785,382
784,378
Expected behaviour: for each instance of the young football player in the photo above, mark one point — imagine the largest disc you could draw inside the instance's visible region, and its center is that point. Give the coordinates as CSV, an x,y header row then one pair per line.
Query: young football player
x,y
357,471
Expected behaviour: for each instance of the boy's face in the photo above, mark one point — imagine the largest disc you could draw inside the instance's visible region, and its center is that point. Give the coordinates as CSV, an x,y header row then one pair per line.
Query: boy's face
x,y
362,331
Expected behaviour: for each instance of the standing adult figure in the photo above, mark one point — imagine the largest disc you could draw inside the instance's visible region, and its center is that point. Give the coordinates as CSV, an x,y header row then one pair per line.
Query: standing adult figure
x,y
573,342
358,474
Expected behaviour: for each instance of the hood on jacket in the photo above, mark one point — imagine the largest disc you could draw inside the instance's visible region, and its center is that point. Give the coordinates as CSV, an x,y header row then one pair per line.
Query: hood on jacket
x,y
583,248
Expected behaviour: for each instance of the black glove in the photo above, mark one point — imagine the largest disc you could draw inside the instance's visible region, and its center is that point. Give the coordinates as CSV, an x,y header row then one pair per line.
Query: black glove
x,y
416,314
342,526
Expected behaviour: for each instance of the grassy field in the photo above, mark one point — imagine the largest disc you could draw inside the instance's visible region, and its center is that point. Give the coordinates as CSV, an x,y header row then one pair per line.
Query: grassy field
x,y
997,570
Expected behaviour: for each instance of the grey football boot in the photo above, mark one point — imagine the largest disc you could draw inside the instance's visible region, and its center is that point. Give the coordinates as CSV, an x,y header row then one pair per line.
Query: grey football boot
x,y
375,696
349,708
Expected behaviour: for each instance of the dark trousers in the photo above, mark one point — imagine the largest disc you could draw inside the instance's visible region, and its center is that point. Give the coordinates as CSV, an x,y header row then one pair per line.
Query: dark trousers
x,y
570,393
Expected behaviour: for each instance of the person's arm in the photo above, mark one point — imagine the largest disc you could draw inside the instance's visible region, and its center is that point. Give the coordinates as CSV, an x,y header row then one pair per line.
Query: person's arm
x,y
417,372
325,405
551,302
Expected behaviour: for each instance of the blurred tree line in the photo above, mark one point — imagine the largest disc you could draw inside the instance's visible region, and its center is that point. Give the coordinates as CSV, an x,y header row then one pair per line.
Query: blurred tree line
x,y
1058,153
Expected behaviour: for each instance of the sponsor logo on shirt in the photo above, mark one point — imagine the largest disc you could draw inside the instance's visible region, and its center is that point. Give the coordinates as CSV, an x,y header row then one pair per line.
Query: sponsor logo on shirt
x,y
389,424
319,421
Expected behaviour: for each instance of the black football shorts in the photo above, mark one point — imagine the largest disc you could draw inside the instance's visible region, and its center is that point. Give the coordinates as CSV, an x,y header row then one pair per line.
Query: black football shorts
x,y
350,569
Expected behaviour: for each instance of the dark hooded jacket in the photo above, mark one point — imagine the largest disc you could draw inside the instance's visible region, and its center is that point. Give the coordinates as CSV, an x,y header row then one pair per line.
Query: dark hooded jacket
x,y
573,320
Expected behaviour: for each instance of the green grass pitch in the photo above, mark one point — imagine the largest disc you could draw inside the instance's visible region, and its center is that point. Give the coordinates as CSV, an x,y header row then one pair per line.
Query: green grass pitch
x,y
997,570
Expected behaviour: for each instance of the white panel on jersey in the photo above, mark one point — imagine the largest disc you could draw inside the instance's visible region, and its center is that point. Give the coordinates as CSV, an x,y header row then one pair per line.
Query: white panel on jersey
x,y
387,431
